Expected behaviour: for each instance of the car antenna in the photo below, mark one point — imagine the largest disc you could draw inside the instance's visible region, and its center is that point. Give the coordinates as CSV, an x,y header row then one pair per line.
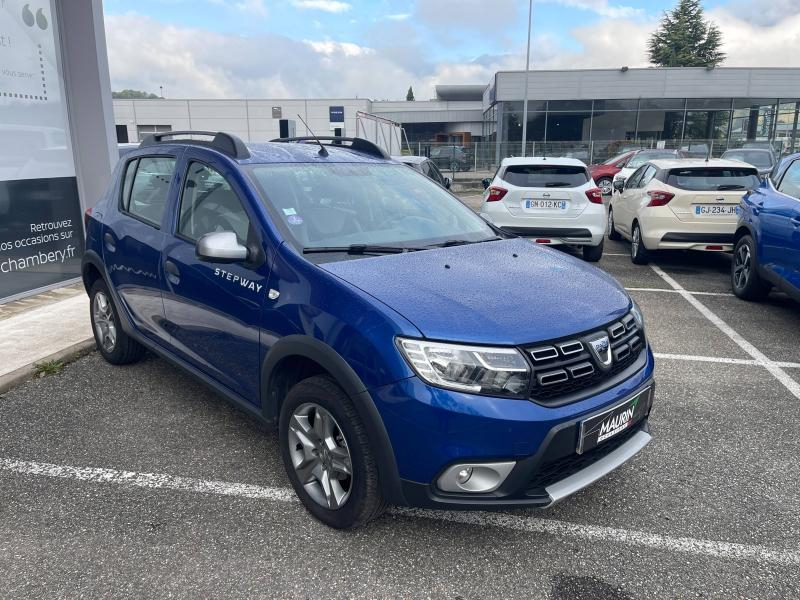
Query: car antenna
x,y
322,150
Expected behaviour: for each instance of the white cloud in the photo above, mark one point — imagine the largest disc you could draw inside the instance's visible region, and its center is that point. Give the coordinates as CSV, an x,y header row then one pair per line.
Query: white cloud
x,y
331,6
398,17
600,7
253,7
330,48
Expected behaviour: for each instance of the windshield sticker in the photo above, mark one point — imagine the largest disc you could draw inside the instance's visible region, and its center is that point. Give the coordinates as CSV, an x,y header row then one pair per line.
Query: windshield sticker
x,y
295,220
289,211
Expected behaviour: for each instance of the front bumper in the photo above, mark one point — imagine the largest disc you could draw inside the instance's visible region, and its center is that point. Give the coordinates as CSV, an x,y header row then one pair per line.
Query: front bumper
x,y
431,430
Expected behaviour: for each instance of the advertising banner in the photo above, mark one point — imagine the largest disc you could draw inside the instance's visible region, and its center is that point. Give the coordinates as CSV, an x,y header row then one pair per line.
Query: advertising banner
x,y
41,233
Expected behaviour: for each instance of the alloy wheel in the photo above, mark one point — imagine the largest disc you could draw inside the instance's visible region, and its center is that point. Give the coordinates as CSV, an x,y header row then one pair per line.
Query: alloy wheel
x,y
635,241
320,455
605,186
610,221
104,325
742,262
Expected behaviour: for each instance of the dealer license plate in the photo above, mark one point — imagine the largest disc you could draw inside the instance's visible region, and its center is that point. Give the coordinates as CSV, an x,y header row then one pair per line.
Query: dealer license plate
x,y
546,204
609,424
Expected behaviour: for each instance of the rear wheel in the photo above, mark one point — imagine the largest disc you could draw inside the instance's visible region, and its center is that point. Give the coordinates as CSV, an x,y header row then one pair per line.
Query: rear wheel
x,y
745,280
327,454
593,253
116,346
612,232
639,254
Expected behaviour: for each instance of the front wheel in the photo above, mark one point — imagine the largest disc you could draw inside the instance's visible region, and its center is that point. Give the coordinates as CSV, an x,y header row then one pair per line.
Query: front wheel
x,y
745,280
327,454
639,254
593,253
613,234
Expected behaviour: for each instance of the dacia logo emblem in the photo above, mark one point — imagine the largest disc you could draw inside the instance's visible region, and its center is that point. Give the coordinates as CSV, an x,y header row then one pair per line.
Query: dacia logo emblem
x,y
600,347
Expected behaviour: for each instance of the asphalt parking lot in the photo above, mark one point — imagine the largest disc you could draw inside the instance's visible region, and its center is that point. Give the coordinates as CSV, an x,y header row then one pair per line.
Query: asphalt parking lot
x,y
138,481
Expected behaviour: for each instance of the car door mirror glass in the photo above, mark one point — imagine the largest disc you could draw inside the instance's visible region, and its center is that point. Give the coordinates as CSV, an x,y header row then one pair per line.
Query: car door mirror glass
x,y
221,247
619,184
486,182
447,182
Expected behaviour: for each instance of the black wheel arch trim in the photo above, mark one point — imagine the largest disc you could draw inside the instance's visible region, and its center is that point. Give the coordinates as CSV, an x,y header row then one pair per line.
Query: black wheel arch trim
x,y
298,345
91,258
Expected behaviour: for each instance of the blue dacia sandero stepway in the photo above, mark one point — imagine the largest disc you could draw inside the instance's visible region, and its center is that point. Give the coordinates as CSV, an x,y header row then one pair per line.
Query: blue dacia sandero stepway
x,y
409,352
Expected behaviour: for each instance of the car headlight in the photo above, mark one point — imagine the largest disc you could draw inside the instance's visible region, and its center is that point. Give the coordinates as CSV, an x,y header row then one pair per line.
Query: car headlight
x,y
477,369
637,314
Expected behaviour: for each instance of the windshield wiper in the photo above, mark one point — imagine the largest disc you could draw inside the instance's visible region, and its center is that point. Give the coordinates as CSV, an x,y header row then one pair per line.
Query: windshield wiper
x,y
449,243
359,249
730,186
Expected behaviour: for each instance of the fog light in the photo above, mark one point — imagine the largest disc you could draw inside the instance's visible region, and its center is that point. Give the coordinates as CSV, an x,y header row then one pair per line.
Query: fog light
x,y
464,475
477,478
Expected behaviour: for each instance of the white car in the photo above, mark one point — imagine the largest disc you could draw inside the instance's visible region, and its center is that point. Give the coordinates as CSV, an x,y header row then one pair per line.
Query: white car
x,y
688,204
551,200
638,159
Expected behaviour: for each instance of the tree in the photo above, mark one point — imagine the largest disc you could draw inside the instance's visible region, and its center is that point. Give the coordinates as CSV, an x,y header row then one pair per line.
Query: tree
x,y
685,39
134,95
410,94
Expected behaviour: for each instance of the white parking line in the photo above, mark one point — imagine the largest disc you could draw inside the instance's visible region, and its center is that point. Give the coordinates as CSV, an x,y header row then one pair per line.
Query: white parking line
x,y
717,359
760,358
669,291
707,548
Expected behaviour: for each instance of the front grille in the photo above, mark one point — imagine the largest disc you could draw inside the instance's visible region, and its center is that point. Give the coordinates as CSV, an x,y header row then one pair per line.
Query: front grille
x,y
563,369
561,468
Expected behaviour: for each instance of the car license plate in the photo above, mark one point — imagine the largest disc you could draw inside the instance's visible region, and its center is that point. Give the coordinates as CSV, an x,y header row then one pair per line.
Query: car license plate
x,y
715,210
609,424
546,204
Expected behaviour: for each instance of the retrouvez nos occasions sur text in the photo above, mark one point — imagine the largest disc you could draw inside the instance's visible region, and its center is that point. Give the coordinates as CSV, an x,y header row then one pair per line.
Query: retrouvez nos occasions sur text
x,y
49,232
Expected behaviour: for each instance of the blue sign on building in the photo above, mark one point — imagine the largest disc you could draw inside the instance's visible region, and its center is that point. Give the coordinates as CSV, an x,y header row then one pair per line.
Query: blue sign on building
x,y
336,114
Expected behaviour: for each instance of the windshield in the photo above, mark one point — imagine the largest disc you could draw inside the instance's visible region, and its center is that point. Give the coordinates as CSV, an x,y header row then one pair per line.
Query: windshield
x,y
339,205
641,158
713,179
762,160
546,175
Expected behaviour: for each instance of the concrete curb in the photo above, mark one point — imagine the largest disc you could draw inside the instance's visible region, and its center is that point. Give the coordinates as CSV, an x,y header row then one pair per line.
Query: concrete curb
x,y
69,354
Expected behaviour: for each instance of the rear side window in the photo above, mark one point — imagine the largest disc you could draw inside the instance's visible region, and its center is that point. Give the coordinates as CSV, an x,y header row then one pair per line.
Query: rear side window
x,y
146,187
706,179
546,176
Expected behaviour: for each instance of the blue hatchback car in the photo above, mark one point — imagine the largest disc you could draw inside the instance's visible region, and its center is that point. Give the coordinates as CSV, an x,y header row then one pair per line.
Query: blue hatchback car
x,y
767,242
409,352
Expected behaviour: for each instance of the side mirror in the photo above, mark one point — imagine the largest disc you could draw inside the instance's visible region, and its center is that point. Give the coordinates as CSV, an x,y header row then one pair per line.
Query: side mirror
x,y
448,182
486,182
220,247
619,184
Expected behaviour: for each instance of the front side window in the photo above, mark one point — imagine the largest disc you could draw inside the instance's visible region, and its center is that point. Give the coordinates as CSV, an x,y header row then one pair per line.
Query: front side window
x,y
436,174
339,205
647,176
633,181
707,179
146,187
209,204
790,184
556,176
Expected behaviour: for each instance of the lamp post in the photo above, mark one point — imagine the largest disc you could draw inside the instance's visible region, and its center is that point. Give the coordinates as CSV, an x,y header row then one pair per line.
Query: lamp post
x,y
527,69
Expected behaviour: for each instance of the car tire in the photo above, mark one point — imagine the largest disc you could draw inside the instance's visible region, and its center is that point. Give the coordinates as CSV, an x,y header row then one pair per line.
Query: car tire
x,y
116,346
321,435
604,184
747,284
639,254
455,166
613,234
593,253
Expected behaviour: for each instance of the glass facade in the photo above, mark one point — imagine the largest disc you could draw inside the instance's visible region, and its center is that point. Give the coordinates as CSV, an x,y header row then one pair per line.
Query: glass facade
x,y
603,127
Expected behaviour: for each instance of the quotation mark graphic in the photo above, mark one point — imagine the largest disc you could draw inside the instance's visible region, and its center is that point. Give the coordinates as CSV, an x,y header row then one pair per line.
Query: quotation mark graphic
x,y
29,19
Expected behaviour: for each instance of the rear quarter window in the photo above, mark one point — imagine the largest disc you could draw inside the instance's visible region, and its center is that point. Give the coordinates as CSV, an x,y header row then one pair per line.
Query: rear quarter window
x,y
713,179
546,176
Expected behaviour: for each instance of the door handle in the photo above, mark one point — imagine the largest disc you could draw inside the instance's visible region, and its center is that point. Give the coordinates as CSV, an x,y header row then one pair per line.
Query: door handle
x,y
111,243
173,272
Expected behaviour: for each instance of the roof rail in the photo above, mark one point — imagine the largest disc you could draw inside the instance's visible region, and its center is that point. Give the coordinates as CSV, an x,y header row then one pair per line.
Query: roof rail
x,y
357,144
227,143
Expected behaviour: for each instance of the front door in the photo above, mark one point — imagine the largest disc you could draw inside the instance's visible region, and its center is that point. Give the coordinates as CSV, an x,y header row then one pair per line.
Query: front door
x,y
134,237
780,227
213,309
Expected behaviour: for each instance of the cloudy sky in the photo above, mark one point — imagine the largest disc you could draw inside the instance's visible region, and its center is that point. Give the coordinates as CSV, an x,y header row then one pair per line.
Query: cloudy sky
x,y
377,48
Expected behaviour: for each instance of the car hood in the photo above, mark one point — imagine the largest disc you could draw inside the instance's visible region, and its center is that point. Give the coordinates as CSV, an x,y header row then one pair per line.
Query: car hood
x,y
506,292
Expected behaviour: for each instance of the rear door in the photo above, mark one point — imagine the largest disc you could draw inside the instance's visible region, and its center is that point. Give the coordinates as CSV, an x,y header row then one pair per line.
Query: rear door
x,y
213,310
134,238
550,190
709,194
780,227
